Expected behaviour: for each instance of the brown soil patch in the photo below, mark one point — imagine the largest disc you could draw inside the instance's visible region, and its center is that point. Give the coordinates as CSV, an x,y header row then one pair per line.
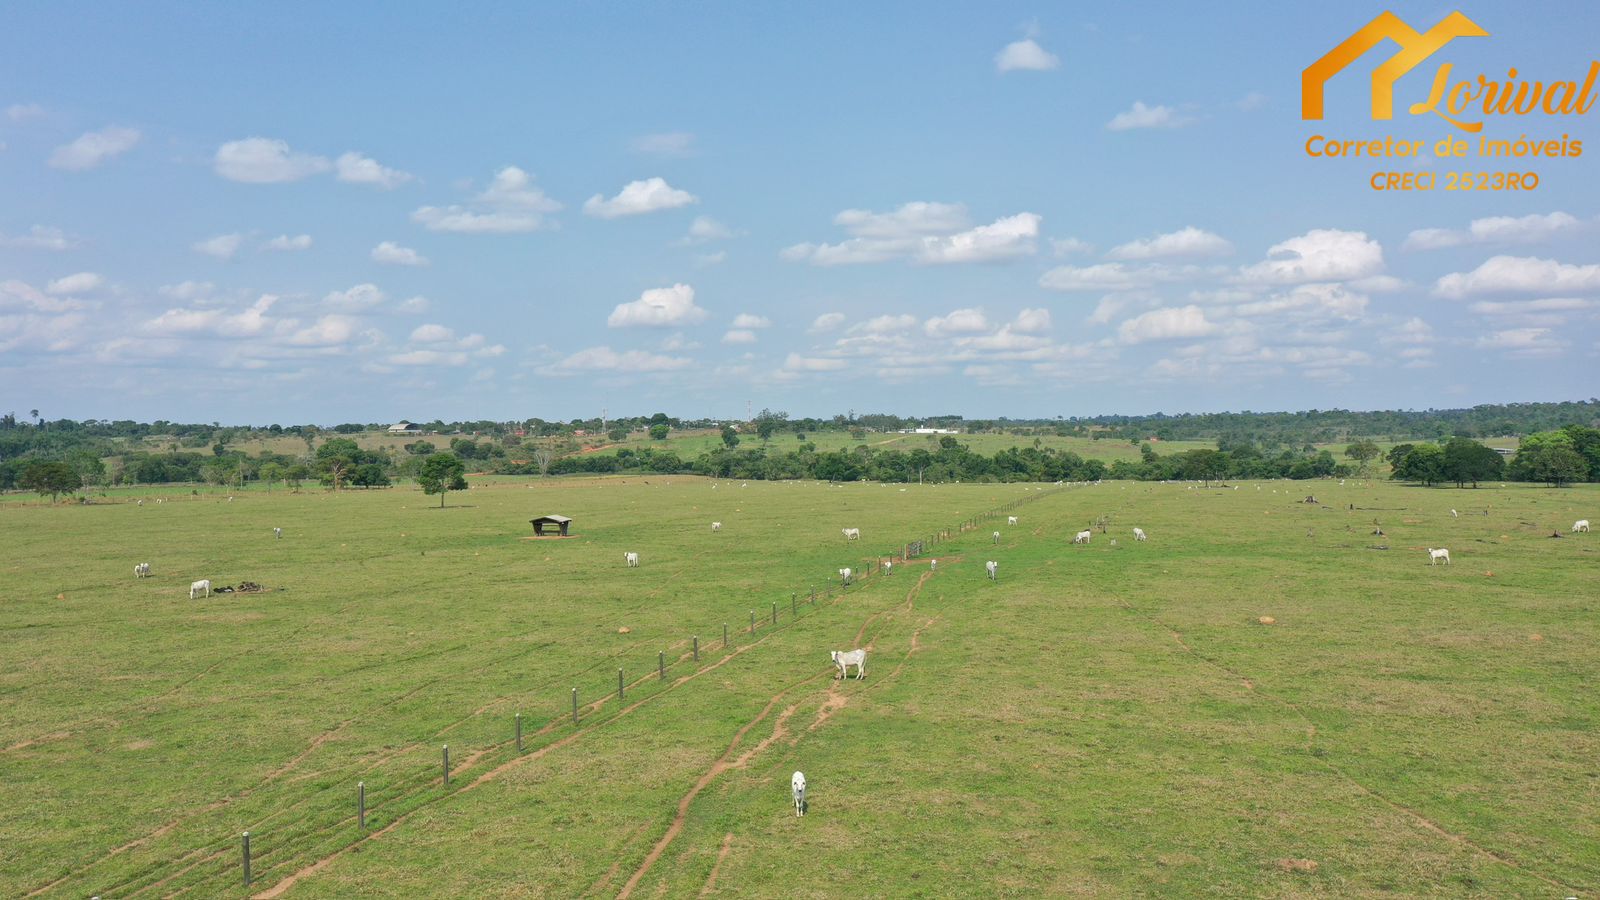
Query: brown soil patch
x,y
139,745
1298,865
1267,620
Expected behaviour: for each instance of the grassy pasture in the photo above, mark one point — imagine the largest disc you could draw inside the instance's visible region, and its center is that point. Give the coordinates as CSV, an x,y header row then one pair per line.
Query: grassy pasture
x,y
1107,720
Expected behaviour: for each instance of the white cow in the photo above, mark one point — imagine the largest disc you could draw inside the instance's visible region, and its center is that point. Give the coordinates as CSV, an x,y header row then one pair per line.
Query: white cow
x,y
993,568
1139,535
1435,555
142,570
1454,514
202,588
844,661
716,526
888,567
797,786
1083,537
632,560
851,534
1011,520
933,565
844,575
1580,525
997,537
140,503
277,533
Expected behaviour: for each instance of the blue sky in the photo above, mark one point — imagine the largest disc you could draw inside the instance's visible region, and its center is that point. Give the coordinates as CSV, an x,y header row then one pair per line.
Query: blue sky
x,y
331,212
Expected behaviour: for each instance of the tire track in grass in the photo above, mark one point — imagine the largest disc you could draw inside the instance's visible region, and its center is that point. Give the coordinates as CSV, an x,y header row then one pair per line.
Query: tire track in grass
x,y
1415,815
716,867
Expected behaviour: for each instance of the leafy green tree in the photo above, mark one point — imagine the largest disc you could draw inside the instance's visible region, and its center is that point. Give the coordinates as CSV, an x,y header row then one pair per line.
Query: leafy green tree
x,y
658,431
442,472
765,427
1554,463
1362,452
51,477
1425,463
1467,460
335,458
730,438
617,434
1398,453
270,472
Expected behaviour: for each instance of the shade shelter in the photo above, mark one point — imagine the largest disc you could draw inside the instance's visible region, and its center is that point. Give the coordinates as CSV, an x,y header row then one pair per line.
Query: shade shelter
x,y
543,522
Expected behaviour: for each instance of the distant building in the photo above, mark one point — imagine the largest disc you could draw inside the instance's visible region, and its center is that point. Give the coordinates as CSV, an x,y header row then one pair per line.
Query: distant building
x,y
928,431
404,427
1505,451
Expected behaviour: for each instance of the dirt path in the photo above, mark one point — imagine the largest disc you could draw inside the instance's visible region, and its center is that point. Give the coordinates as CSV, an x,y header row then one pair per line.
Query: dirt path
x,y
716,867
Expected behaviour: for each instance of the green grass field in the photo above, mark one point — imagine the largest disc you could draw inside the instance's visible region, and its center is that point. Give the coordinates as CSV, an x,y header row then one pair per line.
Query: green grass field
x,y
1105,720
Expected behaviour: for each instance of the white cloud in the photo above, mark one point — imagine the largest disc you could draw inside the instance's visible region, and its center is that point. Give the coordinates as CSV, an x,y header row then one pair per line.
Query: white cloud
x,y
21,295
1032,321
911,219
429,358
1007,342
826,322
358,169
1141,116
637,198
413,306
327,331
750,320
1525,343
511,203
1516,274
432,334
390,253
93,148
1069,246
21,112
361,297
1168,323
677,341
40,237
797,363
250,322
223,246
1107,309
1530,229
81,283
604,359
923,232
704,230
188,290
285,243
1251,102
260,160
1526,307
672,143
962,321
1185,242
1005,238
658,308
1025,55
1099,277
885,324
1318,255
1315,300
739,336
711,259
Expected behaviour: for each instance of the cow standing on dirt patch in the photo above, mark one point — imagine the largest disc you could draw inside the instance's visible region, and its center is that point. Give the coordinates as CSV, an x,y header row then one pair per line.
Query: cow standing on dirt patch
x,y
844,661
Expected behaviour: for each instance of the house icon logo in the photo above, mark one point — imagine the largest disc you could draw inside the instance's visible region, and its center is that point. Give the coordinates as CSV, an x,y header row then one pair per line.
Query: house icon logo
x,y
1414,48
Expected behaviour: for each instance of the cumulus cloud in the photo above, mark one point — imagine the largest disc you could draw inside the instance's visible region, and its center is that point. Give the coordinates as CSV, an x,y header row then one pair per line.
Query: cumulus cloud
x,y
1099,277
40,237
1530,229
910,220
94,148
16,294
659,308
249,322
885,324
1005,238
357,169
826,322
80,283
1032,321
1520,274
1532,307
390,253
223,246
413,306
361,297
797,363
1314,300
327,331
285,243
1069,246
962,321
704,230
605,359
511,203
1142,116
1318,255
432,334
22,112
750,320
259,160
670,144
739,336
1165,324
922,232
1524,343
637,198
1025,55
1185,242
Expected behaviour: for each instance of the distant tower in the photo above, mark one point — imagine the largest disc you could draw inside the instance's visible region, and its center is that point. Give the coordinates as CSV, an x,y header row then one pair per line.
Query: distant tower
x,y
747,416
603,412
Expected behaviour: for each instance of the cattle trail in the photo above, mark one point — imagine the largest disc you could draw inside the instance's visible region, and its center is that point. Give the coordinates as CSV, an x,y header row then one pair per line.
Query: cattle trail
x,y
716,867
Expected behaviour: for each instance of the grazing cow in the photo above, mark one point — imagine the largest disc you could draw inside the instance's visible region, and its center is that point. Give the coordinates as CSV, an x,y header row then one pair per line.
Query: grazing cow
x,y
888,567
1083,537
797,786
1011,520
844,576
1580,525
851,534
277,533
933,565
142,570
997,537
632,560
140,503
202,588
844,661
1139,535
993,568
716,526
1454,514
1435,555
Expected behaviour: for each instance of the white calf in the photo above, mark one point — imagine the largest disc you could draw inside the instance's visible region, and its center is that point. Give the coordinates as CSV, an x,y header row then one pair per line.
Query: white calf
x,y
844,576
797,785
888,567
1454,514
632,560
140,503
997,537
851,534
1138,534
1011,520
1083,537
1435,555
202,588
993,568
142,570
277,533
716,526
933,565
1580,525
844,661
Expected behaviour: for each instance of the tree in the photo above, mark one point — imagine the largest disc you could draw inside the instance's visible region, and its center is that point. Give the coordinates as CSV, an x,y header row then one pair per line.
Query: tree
x,y
335,458
730,437
1425,463
658,431
1362,452
617,434
542,457
49,477
1398,453
442,472
1551,463
765,427
1467,460
271,472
